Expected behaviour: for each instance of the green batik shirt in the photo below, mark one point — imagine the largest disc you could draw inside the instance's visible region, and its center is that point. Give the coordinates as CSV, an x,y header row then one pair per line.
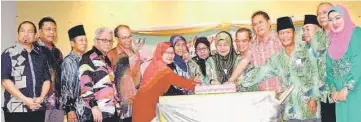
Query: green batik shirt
x,y
318,49
295,70
241,88
195,70
211,69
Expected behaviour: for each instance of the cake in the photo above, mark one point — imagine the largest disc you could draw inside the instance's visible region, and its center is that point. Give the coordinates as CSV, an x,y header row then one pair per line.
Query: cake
x,y
209,89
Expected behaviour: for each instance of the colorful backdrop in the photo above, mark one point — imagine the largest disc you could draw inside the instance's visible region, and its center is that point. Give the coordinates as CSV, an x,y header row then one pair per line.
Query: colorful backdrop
x,y
163,15
157,21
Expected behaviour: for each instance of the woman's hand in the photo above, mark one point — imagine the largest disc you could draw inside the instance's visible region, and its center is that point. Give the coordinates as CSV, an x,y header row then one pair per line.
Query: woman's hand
x,y
343,94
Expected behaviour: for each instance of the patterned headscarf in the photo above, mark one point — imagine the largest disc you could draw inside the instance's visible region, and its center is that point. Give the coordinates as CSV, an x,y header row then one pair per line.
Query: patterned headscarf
x,y
225,64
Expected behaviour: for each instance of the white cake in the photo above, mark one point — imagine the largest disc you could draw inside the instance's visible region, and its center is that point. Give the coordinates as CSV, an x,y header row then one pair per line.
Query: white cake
x,y
208,89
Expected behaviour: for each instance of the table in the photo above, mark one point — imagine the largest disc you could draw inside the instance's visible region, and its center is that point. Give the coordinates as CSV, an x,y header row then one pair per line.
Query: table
x,y
229,107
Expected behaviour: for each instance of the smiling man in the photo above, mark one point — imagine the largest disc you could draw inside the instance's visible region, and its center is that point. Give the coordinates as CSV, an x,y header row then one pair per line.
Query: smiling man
x,y
125,61
295,67
25,78
265,44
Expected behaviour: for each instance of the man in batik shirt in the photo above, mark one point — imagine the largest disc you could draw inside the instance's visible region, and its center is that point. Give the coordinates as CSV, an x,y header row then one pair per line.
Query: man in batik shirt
x,y
97,80
317,43
25,78
70,73
125,62
47,37
295,67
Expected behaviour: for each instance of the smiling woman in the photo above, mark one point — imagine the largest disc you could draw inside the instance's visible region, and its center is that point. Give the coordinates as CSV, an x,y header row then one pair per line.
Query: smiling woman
x,y
220,66
343,64
157,80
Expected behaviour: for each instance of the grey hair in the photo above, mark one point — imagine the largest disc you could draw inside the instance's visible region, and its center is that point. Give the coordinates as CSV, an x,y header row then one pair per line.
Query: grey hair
x,y
102,30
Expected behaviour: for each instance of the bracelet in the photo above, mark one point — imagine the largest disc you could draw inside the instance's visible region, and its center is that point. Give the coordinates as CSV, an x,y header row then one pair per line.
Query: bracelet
x,y
350,85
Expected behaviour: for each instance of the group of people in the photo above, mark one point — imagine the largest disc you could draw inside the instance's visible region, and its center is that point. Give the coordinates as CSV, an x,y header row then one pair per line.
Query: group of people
x,y
105,84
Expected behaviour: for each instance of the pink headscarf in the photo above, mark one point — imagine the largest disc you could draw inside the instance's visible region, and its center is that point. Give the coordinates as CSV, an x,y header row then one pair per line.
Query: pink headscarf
x,y
339,41
156,64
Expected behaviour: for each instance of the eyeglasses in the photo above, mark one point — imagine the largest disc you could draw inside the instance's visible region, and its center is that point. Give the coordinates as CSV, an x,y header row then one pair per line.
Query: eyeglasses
x,y
168,53
202,49
105,40
223,45
126,37
244,40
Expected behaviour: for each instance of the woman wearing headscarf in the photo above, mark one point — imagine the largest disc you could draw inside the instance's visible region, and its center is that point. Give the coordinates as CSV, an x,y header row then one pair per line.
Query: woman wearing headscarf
x,y
197,65
220,66
158,77
178,42
158,61
343,65
179,65
153,66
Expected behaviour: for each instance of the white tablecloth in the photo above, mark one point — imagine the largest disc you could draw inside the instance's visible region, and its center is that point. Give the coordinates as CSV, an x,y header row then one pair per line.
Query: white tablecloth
x,y
230,107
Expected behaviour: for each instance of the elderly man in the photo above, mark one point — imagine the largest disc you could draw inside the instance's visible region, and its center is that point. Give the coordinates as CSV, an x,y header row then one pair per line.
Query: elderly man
x,y
317,43
125,62
97,80
70,73
243,38
310,26
327,107
25,77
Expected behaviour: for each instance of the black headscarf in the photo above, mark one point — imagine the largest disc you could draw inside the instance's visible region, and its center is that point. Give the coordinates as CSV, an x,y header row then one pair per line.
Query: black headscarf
x,y
201,62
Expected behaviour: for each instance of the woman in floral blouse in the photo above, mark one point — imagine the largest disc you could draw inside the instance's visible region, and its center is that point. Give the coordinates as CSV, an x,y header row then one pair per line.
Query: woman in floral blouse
x,y
220,66
344,64
197,64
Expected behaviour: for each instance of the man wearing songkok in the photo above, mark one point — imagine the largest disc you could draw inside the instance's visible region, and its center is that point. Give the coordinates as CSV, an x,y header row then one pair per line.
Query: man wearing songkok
x,y
70,74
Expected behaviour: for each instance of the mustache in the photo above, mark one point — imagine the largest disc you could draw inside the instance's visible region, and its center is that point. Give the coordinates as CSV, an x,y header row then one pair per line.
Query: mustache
x,y
26,39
